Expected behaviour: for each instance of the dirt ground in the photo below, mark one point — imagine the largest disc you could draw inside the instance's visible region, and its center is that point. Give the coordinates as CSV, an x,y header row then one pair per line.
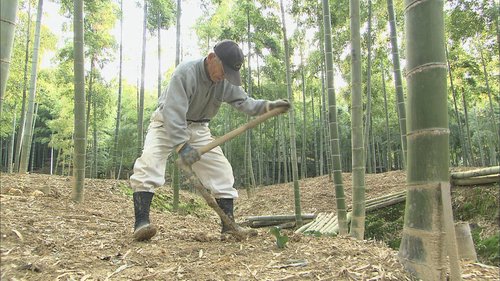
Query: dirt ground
x,y
45,236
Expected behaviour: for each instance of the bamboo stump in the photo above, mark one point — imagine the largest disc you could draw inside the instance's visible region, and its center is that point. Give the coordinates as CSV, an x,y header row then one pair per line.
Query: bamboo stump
x,y
465,244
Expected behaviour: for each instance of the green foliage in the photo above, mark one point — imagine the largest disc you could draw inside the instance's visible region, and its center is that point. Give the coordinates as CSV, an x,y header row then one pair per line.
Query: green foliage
x,y
386,225
487,249
281,240
162,201
477,202
161,14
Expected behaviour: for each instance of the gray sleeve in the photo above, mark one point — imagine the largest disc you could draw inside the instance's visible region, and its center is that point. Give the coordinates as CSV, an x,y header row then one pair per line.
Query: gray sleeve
x,y
174,111
238,98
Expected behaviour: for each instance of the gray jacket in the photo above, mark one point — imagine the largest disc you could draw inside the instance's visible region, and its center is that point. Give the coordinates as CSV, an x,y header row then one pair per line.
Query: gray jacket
x,y
191,95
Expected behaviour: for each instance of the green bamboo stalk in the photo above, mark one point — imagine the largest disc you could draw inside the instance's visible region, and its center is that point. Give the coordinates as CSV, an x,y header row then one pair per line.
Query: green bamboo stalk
x,y
423,245
28,135
358,149
398,81
291,121
8,17
334,133
79,137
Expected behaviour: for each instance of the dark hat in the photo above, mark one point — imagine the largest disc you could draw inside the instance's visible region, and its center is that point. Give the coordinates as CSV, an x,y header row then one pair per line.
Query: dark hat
x,y
232,59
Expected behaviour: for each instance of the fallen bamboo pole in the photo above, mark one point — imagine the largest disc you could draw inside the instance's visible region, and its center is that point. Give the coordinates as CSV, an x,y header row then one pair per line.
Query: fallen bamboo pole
x,y
476,173
476,180
280,217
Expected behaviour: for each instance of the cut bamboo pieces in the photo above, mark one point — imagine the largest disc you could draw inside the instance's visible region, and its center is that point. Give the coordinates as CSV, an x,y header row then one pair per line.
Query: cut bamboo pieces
x,y
487,175
476,173
327,223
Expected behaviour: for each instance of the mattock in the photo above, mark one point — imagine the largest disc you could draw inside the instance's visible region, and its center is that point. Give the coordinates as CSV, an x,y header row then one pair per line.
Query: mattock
x,y
234,229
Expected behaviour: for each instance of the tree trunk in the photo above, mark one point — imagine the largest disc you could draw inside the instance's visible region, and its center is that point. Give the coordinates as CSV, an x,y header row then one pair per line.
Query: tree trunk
x,y
494,121
10,155
140,105
95,143
291,118
175,169
8,17
332,112
303,155
90,97
282,159
28,135
398,80
367,147
20,130
248,144
327,148
32,150
260,152
178,33
468,145
322,124
119,102
79,84
315,138
358,159
159,55
428,206
465,155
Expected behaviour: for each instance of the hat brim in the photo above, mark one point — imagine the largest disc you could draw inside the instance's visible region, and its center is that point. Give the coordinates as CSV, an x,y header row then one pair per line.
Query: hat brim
x,y
231,75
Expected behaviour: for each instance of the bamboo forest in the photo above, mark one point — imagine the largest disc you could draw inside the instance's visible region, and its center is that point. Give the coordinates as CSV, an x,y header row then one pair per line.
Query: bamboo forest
x,y
250,140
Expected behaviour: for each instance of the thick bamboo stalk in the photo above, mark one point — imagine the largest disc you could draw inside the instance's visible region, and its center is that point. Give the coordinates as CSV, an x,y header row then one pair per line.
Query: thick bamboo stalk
x,y
335,229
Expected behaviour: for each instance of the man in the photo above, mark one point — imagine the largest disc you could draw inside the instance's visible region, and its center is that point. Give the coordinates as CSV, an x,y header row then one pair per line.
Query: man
x,y
194,95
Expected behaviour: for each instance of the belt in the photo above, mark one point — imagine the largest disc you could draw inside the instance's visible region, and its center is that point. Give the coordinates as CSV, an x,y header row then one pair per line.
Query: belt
x,y
199,121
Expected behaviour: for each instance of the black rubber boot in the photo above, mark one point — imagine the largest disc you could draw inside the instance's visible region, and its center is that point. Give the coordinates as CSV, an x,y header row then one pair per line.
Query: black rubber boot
x,y
227,205
143,229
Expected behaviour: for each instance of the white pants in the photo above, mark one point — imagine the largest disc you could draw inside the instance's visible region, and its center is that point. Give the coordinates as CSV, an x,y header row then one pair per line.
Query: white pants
x,y
213,169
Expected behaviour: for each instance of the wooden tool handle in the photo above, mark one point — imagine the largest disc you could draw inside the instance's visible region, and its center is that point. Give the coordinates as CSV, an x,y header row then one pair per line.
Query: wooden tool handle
x,y
236,132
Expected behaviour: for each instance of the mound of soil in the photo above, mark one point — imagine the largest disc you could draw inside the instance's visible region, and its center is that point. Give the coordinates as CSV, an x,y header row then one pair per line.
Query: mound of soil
x,y
45,236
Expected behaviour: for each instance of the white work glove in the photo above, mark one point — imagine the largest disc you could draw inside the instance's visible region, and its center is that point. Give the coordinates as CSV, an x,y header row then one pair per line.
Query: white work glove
x,y
278,103
188,154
